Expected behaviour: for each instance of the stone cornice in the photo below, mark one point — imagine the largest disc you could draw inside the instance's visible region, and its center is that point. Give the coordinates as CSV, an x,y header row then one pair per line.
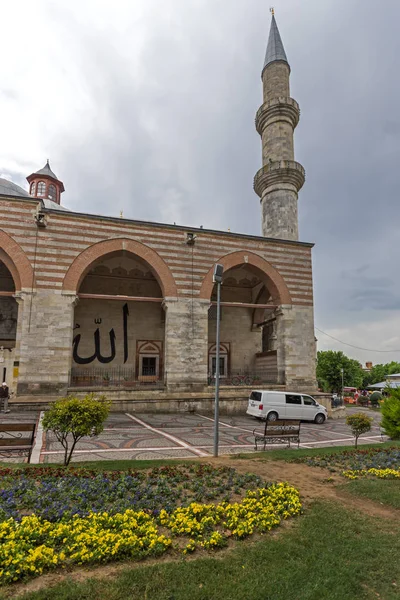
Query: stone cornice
x,y
278,173
277,109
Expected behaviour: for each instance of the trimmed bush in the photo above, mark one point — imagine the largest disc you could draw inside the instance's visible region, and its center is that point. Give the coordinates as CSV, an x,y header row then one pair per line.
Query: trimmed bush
x,y
375,398
72,418
359,424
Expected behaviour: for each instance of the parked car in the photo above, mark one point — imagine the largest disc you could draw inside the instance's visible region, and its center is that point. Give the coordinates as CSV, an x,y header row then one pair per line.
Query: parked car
x,y
271,405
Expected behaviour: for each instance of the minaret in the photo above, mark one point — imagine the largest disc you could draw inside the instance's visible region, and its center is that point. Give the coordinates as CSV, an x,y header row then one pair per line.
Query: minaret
x,y
45,184
280,178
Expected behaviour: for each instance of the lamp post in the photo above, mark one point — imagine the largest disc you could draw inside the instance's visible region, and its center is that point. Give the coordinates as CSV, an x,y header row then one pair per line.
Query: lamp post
x,y
342,369
217,278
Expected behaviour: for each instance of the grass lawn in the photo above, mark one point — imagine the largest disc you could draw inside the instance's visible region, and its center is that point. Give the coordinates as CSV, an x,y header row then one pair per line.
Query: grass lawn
x,y
103,465
328,553
378,490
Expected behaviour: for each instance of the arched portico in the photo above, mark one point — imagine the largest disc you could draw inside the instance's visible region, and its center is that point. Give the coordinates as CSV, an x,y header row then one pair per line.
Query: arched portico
x,y
262,268
16,261
119,321
16,276
252,290
82,263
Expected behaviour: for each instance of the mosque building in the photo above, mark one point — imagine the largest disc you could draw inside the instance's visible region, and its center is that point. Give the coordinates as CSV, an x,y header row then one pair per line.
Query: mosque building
x,y
89,301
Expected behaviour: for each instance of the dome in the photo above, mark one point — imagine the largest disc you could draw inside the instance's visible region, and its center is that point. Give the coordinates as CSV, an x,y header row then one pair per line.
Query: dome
x,y
8,188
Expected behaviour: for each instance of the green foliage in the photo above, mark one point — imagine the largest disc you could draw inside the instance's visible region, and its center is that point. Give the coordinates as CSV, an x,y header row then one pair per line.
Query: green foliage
x,y
375,398
379,373
391,414
329,374
363,400
73,418
359,424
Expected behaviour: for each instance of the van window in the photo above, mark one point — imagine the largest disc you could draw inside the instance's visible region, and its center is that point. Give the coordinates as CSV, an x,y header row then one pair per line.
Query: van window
x,y
308,401
292,399
255,396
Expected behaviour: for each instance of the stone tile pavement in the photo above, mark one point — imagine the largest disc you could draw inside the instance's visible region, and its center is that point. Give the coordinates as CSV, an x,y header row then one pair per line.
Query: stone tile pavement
x,y
187,435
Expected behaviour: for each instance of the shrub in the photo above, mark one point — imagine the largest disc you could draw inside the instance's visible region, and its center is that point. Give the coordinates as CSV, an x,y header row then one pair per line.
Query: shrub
x,y
359,424
391,415
363,400
375,398
72,418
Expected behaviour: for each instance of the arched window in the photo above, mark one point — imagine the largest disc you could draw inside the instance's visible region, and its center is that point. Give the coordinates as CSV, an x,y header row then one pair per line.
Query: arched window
x,y
41,188
52,192
33,189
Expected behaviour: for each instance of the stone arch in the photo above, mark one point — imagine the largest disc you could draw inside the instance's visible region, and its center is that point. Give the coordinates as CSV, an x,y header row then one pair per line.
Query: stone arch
x,y
16,261
261,267
82,263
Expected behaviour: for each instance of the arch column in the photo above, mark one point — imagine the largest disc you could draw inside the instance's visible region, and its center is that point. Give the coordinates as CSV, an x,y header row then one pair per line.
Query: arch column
x,y
45,332
186,342
296,352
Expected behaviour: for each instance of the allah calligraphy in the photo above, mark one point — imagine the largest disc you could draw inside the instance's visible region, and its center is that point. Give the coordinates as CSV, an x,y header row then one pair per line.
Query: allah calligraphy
x,y
97,344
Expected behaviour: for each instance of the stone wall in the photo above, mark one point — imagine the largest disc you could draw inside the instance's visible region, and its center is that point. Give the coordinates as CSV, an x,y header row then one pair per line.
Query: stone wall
x,y
45,327
244,340
144,320
267,366
296,349
45,330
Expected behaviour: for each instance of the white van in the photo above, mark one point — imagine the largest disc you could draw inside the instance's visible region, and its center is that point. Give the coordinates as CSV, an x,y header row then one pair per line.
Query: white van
x,y
272,405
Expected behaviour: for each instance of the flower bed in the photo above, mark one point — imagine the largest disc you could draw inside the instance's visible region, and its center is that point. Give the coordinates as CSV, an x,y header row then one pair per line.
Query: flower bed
x,y
54,494
31,545
378,462
379,473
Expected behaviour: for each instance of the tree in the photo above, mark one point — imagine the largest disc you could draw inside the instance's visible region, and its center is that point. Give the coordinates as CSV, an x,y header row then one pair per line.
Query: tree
x,y
359,424
72,418
375,398
379,373
391,414
329,374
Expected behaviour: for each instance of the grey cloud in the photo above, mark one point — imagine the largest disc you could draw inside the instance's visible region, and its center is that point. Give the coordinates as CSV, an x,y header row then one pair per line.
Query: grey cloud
x,y
176,142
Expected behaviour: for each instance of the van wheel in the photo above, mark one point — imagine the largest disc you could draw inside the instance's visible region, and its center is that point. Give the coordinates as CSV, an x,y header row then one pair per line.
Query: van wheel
x,y
319,419
273,416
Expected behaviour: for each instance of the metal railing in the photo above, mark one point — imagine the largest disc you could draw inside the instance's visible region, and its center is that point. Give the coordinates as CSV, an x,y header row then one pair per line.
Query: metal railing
x,y
244,379
115,377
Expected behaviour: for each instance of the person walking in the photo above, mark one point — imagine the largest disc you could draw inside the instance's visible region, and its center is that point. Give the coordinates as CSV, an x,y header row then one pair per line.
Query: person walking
x,y
4,395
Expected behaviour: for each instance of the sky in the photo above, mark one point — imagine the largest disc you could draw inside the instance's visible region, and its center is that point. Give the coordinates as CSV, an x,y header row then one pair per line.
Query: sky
x,y
148,106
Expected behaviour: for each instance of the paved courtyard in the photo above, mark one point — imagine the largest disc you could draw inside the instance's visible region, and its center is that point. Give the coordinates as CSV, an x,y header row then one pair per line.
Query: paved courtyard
x,y
186,435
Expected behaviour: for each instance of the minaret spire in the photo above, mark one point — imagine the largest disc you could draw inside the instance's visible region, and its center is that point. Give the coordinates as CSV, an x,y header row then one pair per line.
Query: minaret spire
x,y
281,178
275,50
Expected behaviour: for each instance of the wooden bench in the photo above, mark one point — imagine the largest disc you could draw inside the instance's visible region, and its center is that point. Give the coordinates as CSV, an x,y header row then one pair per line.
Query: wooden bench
x,y
17,439
278,432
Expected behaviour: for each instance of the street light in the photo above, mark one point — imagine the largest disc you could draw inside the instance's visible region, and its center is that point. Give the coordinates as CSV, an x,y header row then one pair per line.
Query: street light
x,y
342,382
217,278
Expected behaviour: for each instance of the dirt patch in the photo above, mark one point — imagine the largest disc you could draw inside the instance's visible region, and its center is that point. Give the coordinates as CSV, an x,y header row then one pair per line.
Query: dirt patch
x,y
312,482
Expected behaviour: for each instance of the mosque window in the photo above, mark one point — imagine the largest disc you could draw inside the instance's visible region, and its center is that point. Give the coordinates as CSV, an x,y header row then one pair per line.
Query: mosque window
x,y
52,192
33,189
41,188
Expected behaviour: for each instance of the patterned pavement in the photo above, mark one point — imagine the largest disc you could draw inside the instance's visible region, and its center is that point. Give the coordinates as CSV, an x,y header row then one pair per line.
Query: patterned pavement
x,y
151,436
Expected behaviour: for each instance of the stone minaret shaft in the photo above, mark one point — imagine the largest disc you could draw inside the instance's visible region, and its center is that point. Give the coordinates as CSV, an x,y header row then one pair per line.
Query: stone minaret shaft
x,y
281,178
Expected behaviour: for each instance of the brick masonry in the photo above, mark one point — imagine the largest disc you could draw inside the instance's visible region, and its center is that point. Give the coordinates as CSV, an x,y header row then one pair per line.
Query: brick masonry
x,y
62,253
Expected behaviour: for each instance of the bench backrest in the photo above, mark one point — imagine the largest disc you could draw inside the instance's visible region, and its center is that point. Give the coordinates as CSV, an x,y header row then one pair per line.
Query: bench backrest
x,y
12,434
282,426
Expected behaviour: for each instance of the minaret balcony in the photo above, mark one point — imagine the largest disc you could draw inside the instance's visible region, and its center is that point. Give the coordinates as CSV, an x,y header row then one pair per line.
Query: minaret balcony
x,y
277,109
279,174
